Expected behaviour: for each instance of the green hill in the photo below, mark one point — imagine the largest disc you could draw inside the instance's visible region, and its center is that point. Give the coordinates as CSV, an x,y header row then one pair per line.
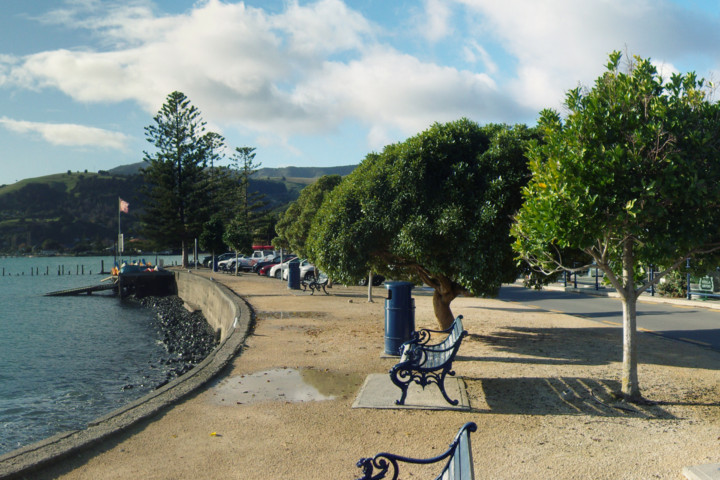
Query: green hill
x,y
69,210
80,210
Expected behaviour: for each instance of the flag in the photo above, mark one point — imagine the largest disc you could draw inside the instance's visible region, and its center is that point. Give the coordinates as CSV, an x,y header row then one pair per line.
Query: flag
x,y
124,206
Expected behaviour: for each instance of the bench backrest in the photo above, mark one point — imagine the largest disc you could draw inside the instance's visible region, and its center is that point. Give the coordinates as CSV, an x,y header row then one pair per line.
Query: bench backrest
x,y
433,358
460,466
456,332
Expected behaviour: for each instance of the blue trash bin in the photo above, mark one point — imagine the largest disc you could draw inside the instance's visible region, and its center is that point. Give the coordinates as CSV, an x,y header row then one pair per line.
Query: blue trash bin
x,y
294,275
399,316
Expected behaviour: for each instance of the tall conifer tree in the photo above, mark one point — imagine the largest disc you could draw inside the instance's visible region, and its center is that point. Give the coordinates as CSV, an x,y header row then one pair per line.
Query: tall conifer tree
x,y
176,177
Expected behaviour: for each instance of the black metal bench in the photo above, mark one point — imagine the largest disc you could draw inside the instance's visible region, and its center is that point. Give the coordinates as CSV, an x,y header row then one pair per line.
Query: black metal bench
x,y
459,464
315,284
425,363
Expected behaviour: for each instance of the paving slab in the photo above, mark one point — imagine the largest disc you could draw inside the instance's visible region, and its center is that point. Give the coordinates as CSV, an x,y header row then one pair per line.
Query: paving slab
x,y
378,391
710,471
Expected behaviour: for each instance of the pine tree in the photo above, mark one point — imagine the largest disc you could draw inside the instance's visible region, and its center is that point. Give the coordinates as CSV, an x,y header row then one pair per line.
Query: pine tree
x,y
178,185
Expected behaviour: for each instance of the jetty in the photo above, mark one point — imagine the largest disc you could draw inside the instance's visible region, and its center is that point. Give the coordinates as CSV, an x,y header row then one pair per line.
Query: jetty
x,y
137,283
83,290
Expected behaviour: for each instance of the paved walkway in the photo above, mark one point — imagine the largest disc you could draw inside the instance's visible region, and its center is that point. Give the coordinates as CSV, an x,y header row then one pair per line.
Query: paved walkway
x,y
539,385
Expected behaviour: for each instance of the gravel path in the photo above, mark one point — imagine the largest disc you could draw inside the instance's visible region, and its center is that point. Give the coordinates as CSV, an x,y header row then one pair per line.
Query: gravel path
x,y
540,385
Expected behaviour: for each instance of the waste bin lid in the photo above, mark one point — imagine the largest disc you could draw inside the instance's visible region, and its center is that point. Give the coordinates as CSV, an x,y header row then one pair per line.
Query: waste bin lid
x,y
390,285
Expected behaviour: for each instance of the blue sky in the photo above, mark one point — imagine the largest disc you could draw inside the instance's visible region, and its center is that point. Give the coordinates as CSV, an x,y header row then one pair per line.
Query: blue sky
x,y
309,83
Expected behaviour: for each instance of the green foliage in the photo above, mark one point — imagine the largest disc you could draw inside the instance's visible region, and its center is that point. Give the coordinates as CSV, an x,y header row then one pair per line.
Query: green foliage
x,y
249,204
177,182
211,238
635,161
437,206
630,178
238,236
293,227
673,286
66,209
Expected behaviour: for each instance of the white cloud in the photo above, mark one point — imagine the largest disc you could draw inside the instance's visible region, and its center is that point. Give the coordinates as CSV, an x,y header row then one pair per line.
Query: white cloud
x,y
474,52
304,70
436,24
387,88
66,134
324,27
560,43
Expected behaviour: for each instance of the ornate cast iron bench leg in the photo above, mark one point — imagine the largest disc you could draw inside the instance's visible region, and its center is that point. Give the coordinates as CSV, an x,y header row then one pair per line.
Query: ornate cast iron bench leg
x,y
395,375
441,385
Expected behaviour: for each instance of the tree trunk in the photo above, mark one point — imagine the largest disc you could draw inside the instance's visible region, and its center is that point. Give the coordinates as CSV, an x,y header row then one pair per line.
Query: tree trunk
x,y
370,286
184,255
441,306
630,386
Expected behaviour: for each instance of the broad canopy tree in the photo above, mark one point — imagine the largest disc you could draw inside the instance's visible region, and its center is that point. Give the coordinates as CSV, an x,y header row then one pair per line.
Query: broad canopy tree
x,y
630,178
293,227
436,207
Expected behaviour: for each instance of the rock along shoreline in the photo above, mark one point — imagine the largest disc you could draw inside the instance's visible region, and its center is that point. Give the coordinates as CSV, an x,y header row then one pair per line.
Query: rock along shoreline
x,y
186,335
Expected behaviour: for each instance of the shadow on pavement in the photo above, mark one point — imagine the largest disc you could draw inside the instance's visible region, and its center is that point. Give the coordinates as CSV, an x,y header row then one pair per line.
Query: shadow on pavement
x,y
562,396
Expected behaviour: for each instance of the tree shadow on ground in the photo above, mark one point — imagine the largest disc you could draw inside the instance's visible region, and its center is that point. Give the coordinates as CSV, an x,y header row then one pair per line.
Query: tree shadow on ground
x,y
562,396
591,346
555,345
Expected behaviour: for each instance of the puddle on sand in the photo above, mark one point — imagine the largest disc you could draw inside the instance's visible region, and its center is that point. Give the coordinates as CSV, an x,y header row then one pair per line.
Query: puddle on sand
x,y
281,315
283,384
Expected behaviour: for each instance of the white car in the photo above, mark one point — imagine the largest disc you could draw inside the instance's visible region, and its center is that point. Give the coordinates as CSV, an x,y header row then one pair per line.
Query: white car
x,y
275,270
229,264
307,270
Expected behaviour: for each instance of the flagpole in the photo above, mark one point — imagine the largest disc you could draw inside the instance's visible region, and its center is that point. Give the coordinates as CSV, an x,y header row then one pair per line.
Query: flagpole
x,y
117,249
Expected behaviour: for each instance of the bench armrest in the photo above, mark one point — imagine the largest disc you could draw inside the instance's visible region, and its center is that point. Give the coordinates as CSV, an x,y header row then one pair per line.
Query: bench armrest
x,y
383,462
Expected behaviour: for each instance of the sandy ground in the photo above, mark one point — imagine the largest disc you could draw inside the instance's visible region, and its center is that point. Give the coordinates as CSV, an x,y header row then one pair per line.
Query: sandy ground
x,y
539,385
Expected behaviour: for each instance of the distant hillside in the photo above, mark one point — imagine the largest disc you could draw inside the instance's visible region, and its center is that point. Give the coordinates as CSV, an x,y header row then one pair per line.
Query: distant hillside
x,y
131,169
80,210
284,172
304,172
69,209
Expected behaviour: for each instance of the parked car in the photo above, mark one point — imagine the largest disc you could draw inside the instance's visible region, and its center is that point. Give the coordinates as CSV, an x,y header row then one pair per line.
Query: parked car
x,y
263,255
228,265
307,270
207,261
265,271
273,261
276,270
246,264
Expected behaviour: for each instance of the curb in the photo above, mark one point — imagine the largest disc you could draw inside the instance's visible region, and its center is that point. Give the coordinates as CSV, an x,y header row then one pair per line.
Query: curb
x,y
22,462
645,297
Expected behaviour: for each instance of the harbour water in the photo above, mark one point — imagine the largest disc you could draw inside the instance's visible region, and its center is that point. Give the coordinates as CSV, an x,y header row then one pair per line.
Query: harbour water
x,y
65,361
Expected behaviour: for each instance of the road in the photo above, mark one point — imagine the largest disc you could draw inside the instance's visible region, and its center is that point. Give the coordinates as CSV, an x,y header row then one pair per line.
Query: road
x,y
687,323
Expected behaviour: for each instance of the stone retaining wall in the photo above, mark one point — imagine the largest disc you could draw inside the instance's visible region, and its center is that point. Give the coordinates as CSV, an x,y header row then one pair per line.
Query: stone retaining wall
x,y
216,302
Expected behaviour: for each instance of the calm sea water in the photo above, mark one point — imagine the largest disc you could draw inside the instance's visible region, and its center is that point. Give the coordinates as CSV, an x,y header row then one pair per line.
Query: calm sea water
x,y
65,361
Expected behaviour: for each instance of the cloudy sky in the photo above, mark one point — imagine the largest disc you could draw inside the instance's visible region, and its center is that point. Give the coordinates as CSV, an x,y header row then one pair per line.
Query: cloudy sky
x,y
309,83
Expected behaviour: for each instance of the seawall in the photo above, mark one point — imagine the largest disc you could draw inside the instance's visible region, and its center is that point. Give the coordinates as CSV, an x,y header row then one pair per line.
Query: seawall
x,y
222,309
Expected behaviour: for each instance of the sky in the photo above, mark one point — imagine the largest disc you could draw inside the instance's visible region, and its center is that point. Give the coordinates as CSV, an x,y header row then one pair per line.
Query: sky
x,y
310,83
